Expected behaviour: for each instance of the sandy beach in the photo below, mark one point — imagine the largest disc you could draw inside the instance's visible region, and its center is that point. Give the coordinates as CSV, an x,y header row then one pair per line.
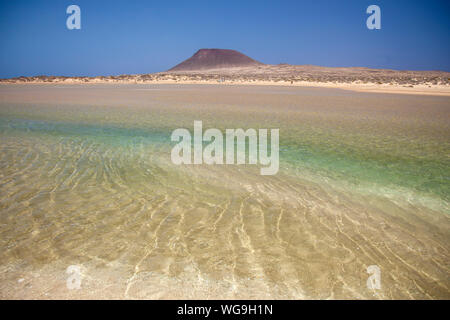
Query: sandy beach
x,y
355,79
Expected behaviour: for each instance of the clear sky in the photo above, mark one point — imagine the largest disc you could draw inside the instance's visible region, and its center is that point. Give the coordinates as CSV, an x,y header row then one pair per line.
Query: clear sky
x,y
129,37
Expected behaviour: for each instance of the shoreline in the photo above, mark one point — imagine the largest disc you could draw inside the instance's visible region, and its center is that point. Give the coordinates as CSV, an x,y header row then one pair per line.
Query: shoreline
x,y
345,78
435,90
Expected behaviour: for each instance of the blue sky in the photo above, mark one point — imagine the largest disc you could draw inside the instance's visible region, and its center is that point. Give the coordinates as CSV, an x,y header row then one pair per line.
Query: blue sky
x,y
128,37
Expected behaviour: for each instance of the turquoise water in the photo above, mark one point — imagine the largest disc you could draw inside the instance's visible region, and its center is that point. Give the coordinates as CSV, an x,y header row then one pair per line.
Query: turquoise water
x,y
383,166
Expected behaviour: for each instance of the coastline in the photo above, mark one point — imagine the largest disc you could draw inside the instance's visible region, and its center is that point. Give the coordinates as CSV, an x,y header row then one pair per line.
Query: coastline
x,y
346,78
435,90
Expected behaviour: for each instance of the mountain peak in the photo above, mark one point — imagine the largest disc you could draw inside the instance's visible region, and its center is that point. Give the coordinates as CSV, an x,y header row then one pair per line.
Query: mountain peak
x,y
205,59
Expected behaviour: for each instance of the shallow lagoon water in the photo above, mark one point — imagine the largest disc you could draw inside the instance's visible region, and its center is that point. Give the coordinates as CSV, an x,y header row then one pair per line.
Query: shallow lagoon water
x,y
86,179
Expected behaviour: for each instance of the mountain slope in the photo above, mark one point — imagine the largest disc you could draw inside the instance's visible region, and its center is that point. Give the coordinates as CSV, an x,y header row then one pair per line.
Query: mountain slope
x,y
205,59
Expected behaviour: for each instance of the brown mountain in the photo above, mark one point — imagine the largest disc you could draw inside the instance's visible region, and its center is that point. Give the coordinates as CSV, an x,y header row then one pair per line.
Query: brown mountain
x,y
205,59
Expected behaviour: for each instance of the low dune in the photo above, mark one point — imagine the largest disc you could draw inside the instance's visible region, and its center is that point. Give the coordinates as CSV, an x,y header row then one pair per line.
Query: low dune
x,y
208,66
